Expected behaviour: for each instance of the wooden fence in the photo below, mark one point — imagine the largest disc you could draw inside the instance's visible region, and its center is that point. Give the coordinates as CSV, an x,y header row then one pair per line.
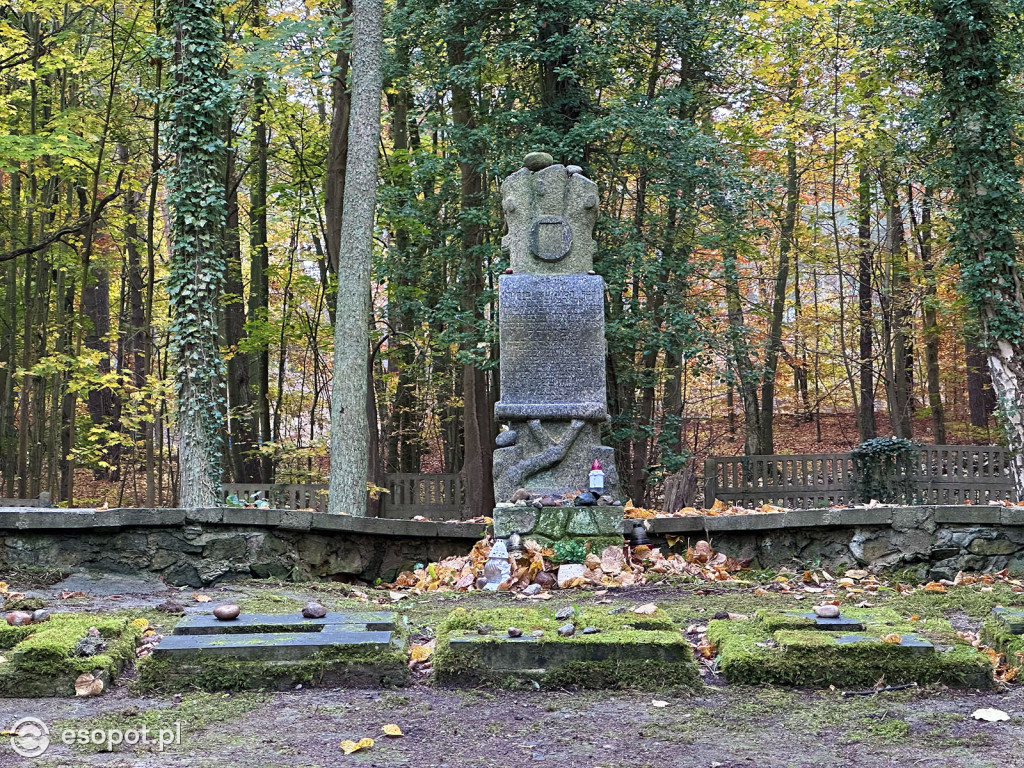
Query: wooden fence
x,y
438,497
945,474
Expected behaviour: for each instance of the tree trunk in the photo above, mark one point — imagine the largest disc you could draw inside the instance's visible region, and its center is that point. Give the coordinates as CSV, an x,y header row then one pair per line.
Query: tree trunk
x,y
981,398
478,413
930,324
349,427
766,439
196,199
866,423
337,153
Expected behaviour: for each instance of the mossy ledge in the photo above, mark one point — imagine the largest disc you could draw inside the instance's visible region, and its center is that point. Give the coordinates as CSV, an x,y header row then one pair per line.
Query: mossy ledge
x,y
772,649
611,658
40,655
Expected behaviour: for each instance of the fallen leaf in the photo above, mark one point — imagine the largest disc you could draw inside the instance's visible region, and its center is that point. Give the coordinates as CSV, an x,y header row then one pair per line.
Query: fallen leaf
x,y
646,610
659,704
69,595
201,598
396,596
934,586
87,685
990,715
422,652
893,638
348,747
391,729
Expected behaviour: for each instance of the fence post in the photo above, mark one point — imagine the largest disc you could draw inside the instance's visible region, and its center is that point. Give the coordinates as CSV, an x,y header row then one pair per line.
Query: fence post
x,y
710,481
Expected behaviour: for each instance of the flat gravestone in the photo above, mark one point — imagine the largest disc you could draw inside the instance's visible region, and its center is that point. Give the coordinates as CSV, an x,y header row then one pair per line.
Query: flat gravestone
x,y
206,624
911,642
838,624
1011,619
268,637
267,646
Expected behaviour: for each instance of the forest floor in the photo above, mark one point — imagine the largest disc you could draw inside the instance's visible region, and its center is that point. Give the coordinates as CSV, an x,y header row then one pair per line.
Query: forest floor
x,y
722,726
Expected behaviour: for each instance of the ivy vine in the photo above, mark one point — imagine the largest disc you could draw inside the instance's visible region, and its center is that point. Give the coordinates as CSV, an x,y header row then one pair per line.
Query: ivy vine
x,y
198,104
885,470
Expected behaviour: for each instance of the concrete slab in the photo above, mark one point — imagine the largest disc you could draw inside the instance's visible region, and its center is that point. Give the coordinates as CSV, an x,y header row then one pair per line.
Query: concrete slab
x,y
1011,619
267,646
207,624
838,624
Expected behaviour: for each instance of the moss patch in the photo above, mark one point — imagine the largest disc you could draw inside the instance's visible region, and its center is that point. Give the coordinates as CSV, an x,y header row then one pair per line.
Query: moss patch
x,y
41,656
631,650
750,652
194,712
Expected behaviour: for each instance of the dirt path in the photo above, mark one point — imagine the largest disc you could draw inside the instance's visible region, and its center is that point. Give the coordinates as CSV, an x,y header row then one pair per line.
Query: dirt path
x,y
725,728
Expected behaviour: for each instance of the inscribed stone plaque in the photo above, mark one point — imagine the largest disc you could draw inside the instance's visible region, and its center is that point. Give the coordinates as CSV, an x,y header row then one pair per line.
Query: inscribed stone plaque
x,y
552,347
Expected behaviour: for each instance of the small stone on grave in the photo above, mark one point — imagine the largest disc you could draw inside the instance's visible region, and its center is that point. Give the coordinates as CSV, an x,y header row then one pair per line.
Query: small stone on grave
x,y
484,629
515,632
533,589
591,630
827,611
227,612
313,610
538,161
19,618
567,630
565,612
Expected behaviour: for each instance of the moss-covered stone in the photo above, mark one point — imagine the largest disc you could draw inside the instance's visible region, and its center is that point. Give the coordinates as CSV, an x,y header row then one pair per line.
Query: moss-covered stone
x,y
630,650
41,658
764,650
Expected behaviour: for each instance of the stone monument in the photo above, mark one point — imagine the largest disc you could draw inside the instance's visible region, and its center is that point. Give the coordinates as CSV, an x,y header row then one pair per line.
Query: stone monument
x,y
551,328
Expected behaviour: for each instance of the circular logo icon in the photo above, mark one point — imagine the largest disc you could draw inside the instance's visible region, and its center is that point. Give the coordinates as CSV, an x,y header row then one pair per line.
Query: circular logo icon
x,y
30,737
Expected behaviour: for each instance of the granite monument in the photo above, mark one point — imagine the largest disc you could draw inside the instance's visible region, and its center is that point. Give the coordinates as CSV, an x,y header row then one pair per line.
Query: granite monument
x,y
551,332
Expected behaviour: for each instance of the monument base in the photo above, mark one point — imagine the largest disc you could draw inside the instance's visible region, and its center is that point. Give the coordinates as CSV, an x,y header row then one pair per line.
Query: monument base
x,y
550,524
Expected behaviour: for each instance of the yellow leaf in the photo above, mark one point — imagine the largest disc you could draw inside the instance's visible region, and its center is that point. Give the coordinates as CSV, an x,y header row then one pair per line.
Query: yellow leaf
x,y
201,598
141,623
348,747
893,638
421,652
391,729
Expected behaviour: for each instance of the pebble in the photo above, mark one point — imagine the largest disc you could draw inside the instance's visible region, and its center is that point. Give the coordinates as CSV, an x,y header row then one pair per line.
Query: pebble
x,y
313,610
226,612
169,606
484,629
567,630
590,630
570,169
827,611
538,161
565,613
545,579
550,501
533,589
19,618
586,499
40,616
522,494
515,632
537,633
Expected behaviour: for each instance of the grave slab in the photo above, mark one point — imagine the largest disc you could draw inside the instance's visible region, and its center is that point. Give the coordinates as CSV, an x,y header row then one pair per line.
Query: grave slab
x,y
267,646
1011,619
838,624
206,624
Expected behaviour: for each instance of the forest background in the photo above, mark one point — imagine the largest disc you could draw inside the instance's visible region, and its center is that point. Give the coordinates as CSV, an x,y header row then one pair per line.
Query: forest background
x,y
775,233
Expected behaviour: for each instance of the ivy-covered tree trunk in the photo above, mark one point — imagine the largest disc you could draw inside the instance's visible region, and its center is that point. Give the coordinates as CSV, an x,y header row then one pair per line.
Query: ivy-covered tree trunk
x,y
976,112
196,198
349,423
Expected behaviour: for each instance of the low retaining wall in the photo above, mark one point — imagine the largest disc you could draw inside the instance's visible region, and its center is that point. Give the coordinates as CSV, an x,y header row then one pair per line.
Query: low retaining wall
x,y
939,540
202,546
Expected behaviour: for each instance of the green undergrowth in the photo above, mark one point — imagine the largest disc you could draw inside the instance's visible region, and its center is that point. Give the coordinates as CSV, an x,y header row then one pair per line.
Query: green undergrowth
x,y
41,660
780,649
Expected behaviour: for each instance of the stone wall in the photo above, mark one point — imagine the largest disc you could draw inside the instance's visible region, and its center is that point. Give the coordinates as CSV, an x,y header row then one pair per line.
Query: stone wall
x,y
203,546
937,541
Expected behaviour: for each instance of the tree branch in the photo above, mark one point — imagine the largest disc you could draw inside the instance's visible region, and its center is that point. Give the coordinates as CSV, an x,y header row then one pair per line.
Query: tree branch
x,y
77,227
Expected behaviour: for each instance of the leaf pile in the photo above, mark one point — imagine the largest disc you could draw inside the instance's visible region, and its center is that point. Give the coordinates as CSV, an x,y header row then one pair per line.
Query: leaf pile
x,y
614,567
718,509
